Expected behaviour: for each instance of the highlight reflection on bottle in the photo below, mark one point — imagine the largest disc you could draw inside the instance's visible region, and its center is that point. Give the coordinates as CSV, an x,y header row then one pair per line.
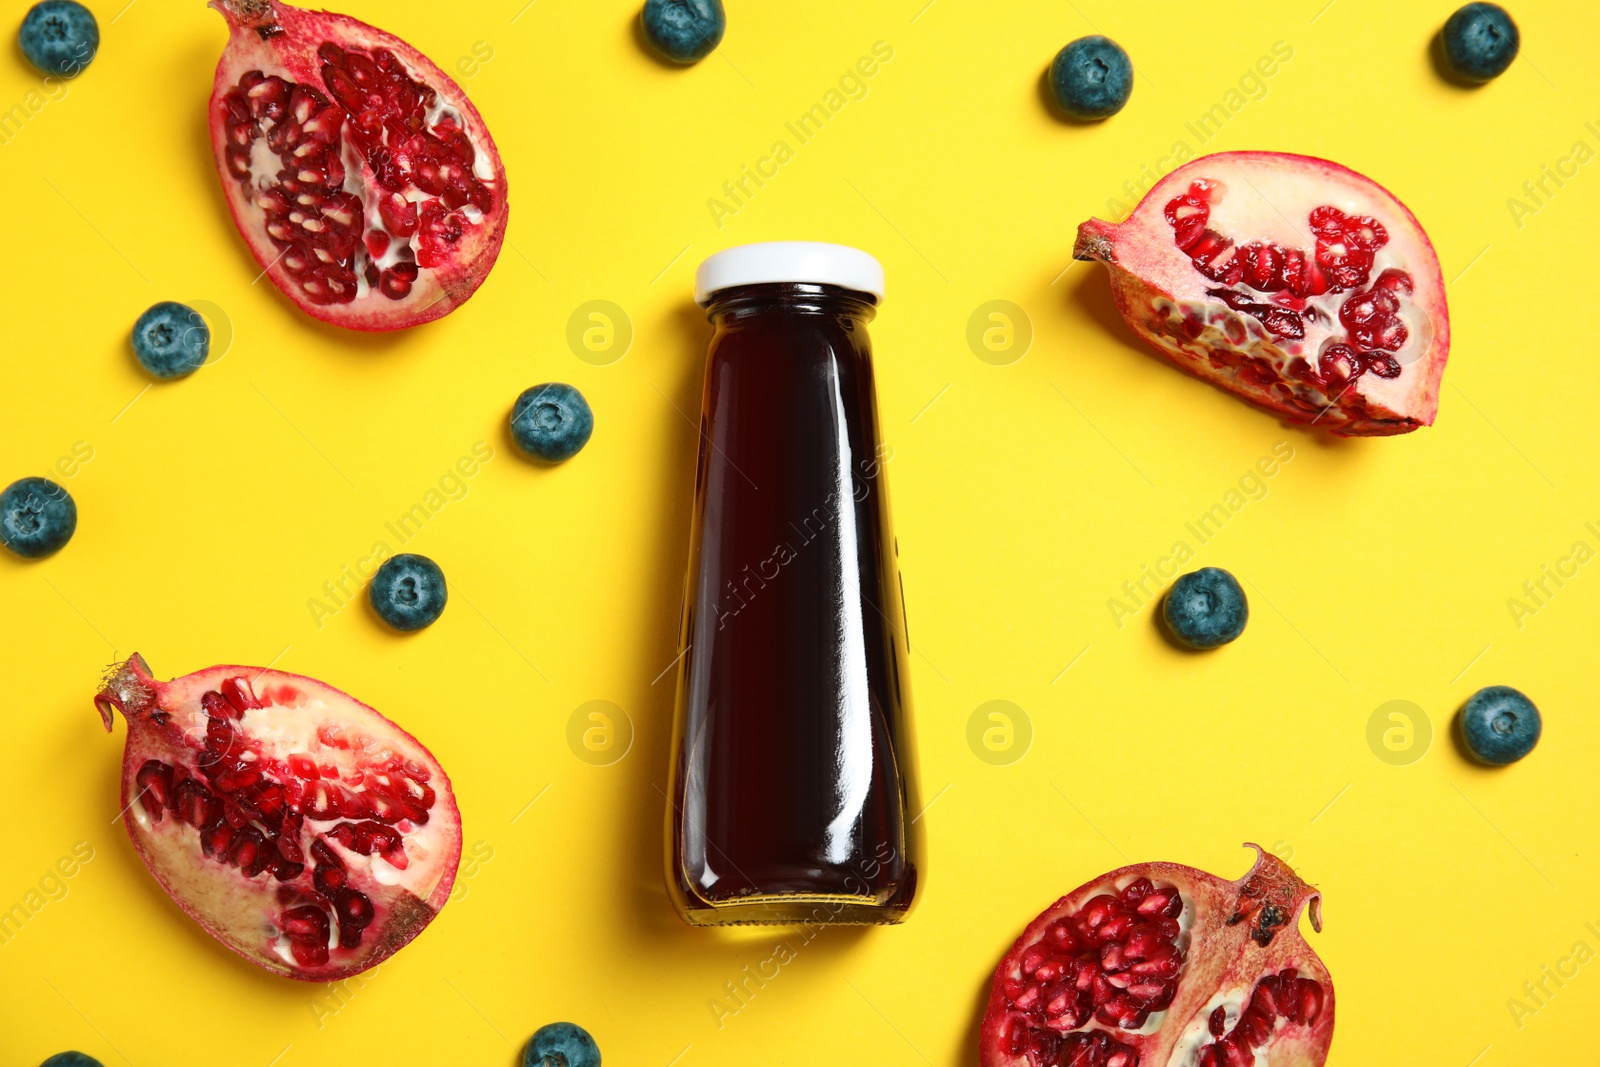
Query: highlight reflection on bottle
x,y
793,791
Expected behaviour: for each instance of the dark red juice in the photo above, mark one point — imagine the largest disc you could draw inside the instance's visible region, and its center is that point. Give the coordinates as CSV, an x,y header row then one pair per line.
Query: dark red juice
x,y
792,794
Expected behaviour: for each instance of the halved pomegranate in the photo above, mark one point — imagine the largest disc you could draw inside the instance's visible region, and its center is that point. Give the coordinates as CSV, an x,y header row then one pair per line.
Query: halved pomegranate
x,y
295,824
361,176
1162,965
1293,282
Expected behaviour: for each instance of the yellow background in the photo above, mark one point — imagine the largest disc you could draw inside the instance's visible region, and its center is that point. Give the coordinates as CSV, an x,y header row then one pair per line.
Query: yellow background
x,y
214,508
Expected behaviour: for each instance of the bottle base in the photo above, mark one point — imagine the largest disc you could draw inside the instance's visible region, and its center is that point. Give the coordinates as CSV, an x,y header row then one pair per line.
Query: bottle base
x,y
820,909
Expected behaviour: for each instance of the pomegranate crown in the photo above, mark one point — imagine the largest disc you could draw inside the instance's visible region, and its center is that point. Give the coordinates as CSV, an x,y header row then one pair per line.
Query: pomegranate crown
x,y
1271,896
126,688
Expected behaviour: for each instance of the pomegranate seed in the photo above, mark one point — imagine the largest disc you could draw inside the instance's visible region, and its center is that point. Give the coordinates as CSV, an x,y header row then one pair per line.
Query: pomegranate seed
x,y
353,805
219,736
305,924
155,788
215,839
393,285
1149,993
1218,1021
1161,903
322,801
325,856
1135,891
1383,365
1253,1030
1395,281
1115,928
1366,233
327,880
1283,323
1144,940
286,871
309,954
1339,365
270,801
237,690
196,805
1164,965
1310,1000
355,912
1123,1011
1264,1001
1234,1054
289,844
234,774
249,852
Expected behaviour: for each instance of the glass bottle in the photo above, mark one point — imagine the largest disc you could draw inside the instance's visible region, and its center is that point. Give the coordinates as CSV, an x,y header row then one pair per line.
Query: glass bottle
x,y
793,792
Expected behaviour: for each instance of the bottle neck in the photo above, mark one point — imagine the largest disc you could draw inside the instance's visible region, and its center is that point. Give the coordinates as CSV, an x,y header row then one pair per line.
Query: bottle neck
x,y
804,298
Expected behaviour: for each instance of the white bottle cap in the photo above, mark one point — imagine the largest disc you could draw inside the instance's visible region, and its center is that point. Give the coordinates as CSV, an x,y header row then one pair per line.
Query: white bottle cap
x,y
789,261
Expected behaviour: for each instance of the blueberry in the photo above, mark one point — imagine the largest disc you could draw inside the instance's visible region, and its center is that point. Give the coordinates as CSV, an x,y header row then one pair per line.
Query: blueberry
x,y
59,37
1499,725
37,517
408,592
1091,78
561,1045
1206,608
171,340
684,31
551,422
1480,41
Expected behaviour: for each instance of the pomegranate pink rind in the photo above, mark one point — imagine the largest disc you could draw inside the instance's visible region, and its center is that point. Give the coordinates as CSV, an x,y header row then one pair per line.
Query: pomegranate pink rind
x,y
1296,283
295,824
1163,965
362,178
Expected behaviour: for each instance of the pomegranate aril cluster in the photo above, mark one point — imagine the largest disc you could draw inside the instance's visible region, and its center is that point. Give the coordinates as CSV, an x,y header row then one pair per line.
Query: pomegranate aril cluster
x,y
1114,961
1284,997
250,813
1094,1048
389,114
318,225
1341,261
